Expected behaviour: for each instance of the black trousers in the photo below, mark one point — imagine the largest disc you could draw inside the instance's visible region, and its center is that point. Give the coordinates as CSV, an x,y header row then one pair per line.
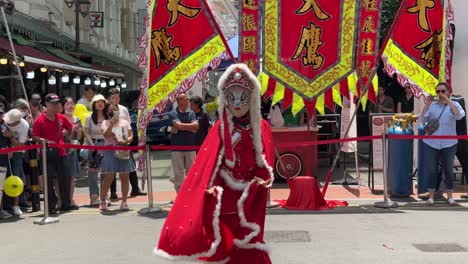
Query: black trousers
x,y
462,156
57,168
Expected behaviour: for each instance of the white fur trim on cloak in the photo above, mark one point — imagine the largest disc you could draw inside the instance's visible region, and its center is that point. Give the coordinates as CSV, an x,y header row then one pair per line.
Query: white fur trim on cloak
x,y
216,231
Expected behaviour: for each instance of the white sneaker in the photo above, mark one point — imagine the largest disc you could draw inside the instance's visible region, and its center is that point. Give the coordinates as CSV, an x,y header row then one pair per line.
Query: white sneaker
x,y
4,214
17,210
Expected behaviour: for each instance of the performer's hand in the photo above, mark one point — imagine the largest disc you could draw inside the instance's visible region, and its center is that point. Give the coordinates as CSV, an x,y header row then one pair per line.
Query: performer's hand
x,y
211,191
262,182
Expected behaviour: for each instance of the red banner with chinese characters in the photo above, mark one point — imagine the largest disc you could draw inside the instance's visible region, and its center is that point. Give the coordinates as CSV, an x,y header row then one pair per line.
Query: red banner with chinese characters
x,y
184,38
418,49
309,44
249,40
369,28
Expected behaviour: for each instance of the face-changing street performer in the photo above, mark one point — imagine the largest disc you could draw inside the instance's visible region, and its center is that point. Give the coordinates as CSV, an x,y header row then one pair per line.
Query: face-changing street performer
x,y
219,213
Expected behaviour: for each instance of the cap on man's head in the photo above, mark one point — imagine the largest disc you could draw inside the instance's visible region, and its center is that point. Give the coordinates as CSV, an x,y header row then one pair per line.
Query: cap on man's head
x,y
52,98
36,97
13,116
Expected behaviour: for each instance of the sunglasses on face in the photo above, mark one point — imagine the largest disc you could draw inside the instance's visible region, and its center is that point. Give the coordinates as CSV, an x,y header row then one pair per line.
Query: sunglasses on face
x,y
440,91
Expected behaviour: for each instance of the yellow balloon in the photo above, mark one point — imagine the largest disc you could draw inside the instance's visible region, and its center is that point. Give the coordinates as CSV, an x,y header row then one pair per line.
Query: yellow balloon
x,y
13,186
81,112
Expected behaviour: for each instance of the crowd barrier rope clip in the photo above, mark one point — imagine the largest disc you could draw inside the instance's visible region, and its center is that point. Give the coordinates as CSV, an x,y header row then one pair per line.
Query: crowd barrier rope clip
x,y
46,219
387,203
149,181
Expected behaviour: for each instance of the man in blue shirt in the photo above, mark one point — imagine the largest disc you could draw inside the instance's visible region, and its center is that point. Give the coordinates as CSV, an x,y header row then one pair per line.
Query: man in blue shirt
x,y
184,127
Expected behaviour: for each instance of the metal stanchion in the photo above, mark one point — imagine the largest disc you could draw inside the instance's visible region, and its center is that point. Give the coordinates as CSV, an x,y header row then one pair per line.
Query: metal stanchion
x,y
271,204
46,219
149,180
387,203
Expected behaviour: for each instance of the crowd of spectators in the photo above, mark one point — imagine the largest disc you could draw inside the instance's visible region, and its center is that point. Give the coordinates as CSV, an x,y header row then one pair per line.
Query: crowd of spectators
x,y
53,120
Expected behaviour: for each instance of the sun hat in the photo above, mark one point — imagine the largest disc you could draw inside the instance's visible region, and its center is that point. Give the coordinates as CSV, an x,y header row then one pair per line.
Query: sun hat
x,y
13,116
98,97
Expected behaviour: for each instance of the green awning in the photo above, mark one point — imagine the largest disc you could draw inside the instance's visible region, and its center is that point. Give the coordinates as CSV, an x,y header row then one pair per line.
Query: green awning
x,y
64,55
42,31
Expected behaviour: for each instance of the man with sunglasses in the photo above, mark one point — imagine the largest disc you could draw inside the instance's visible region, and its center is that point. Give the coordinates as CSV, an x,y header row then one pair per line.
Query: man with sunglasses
x,y
447,113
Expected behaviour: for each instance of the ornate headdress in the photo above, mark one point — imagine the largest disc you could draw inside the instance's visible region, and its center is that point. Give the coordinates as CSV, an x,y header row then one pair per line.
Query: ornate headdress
x,y
240,75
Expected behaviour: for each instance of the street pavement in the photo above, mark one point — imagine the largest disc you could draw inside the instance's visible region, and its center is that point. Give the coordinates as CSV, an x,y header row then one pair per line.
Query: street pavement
x,y
359,233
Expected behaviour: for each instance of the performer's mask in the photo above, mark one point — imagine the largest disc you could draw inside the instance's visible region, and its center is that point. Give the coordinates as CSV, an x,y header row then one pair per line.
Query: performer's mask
x,y
238,100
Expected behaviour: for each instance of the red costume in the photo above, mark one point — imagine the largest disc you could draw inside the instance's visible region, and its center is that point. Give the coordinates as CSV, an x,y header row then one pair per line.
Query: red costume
x,y
225,226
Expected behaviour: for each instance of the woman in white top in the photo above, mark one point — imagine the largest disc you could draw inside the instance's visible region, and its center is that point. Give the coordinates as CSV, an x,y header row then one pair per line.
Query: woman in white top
x,y
117,132
95,137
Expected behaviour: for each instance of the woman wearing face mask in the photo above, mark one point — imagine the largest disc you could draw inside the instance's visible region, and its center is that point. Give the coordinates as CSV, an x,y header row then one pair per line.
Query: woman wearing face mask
x,y
117,132
219,213
68,106
94,137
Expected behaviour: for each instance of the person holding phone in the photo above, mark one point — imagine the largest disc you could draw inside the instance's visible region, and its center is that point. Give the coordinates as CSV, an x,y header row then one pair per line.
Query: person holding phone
x,y
114,99
447,112
117,132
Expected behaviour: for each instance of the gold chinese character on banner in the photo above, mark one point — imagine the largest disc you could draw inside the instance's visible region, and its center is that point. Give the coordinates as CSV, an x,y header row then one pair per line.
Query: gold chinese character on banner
x,y
370,5
175,7
369,26
250,45
420,8
251,64
312,4
365,69
248,23
430,48
249,4
311,41
162,50
367,47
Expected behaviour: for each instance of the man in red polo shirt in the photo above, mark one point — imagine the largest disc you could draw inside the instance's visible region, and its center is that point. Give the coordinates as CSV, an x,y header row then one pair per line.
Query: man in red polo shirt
x,y
50,127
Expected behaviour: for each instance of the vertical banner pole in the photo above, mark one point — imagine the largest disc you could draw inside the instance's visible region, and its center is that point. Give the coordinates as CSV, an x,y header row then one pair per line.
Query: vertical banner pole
x,y
46,219
149,181
387,203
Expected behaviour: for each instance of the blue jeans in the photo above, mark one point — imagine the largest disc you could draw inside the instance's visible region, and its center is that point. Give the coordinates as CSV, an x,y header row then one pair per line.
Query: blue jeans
x,y
17,169
432,157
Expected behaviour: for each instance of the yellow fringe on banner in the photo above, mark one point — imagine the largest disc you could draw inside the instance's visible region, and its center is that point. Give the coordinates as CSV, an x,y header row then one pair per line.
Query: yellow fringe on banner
x,y
364,101
263,79
320,105
352,83
297,104
279,93
337,95
375,83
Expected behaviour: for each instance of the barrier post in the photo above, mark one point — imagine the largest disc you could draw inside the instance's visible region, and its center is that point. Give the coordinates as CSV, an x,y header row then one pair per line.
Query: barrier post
x,y
149,181
46,219
34,179
387,203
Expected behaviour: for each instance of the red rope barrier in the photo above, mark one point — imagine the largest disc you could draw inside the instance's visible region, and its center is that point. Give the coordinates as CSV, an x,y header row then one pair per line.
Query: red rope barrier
x,y
17,149
192,148
393,136
74,146
326,142
175,148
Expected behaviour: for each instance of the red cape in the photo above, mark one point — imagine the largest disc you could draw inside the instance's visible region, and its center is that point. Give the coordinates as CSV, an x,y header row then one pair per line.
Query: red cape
x,y
192,229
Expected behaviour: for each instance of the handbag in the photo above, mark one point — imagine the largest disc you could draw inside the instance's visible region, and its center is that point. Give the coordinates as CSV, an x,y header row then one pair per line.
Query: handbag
x,y
432,125
122,154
